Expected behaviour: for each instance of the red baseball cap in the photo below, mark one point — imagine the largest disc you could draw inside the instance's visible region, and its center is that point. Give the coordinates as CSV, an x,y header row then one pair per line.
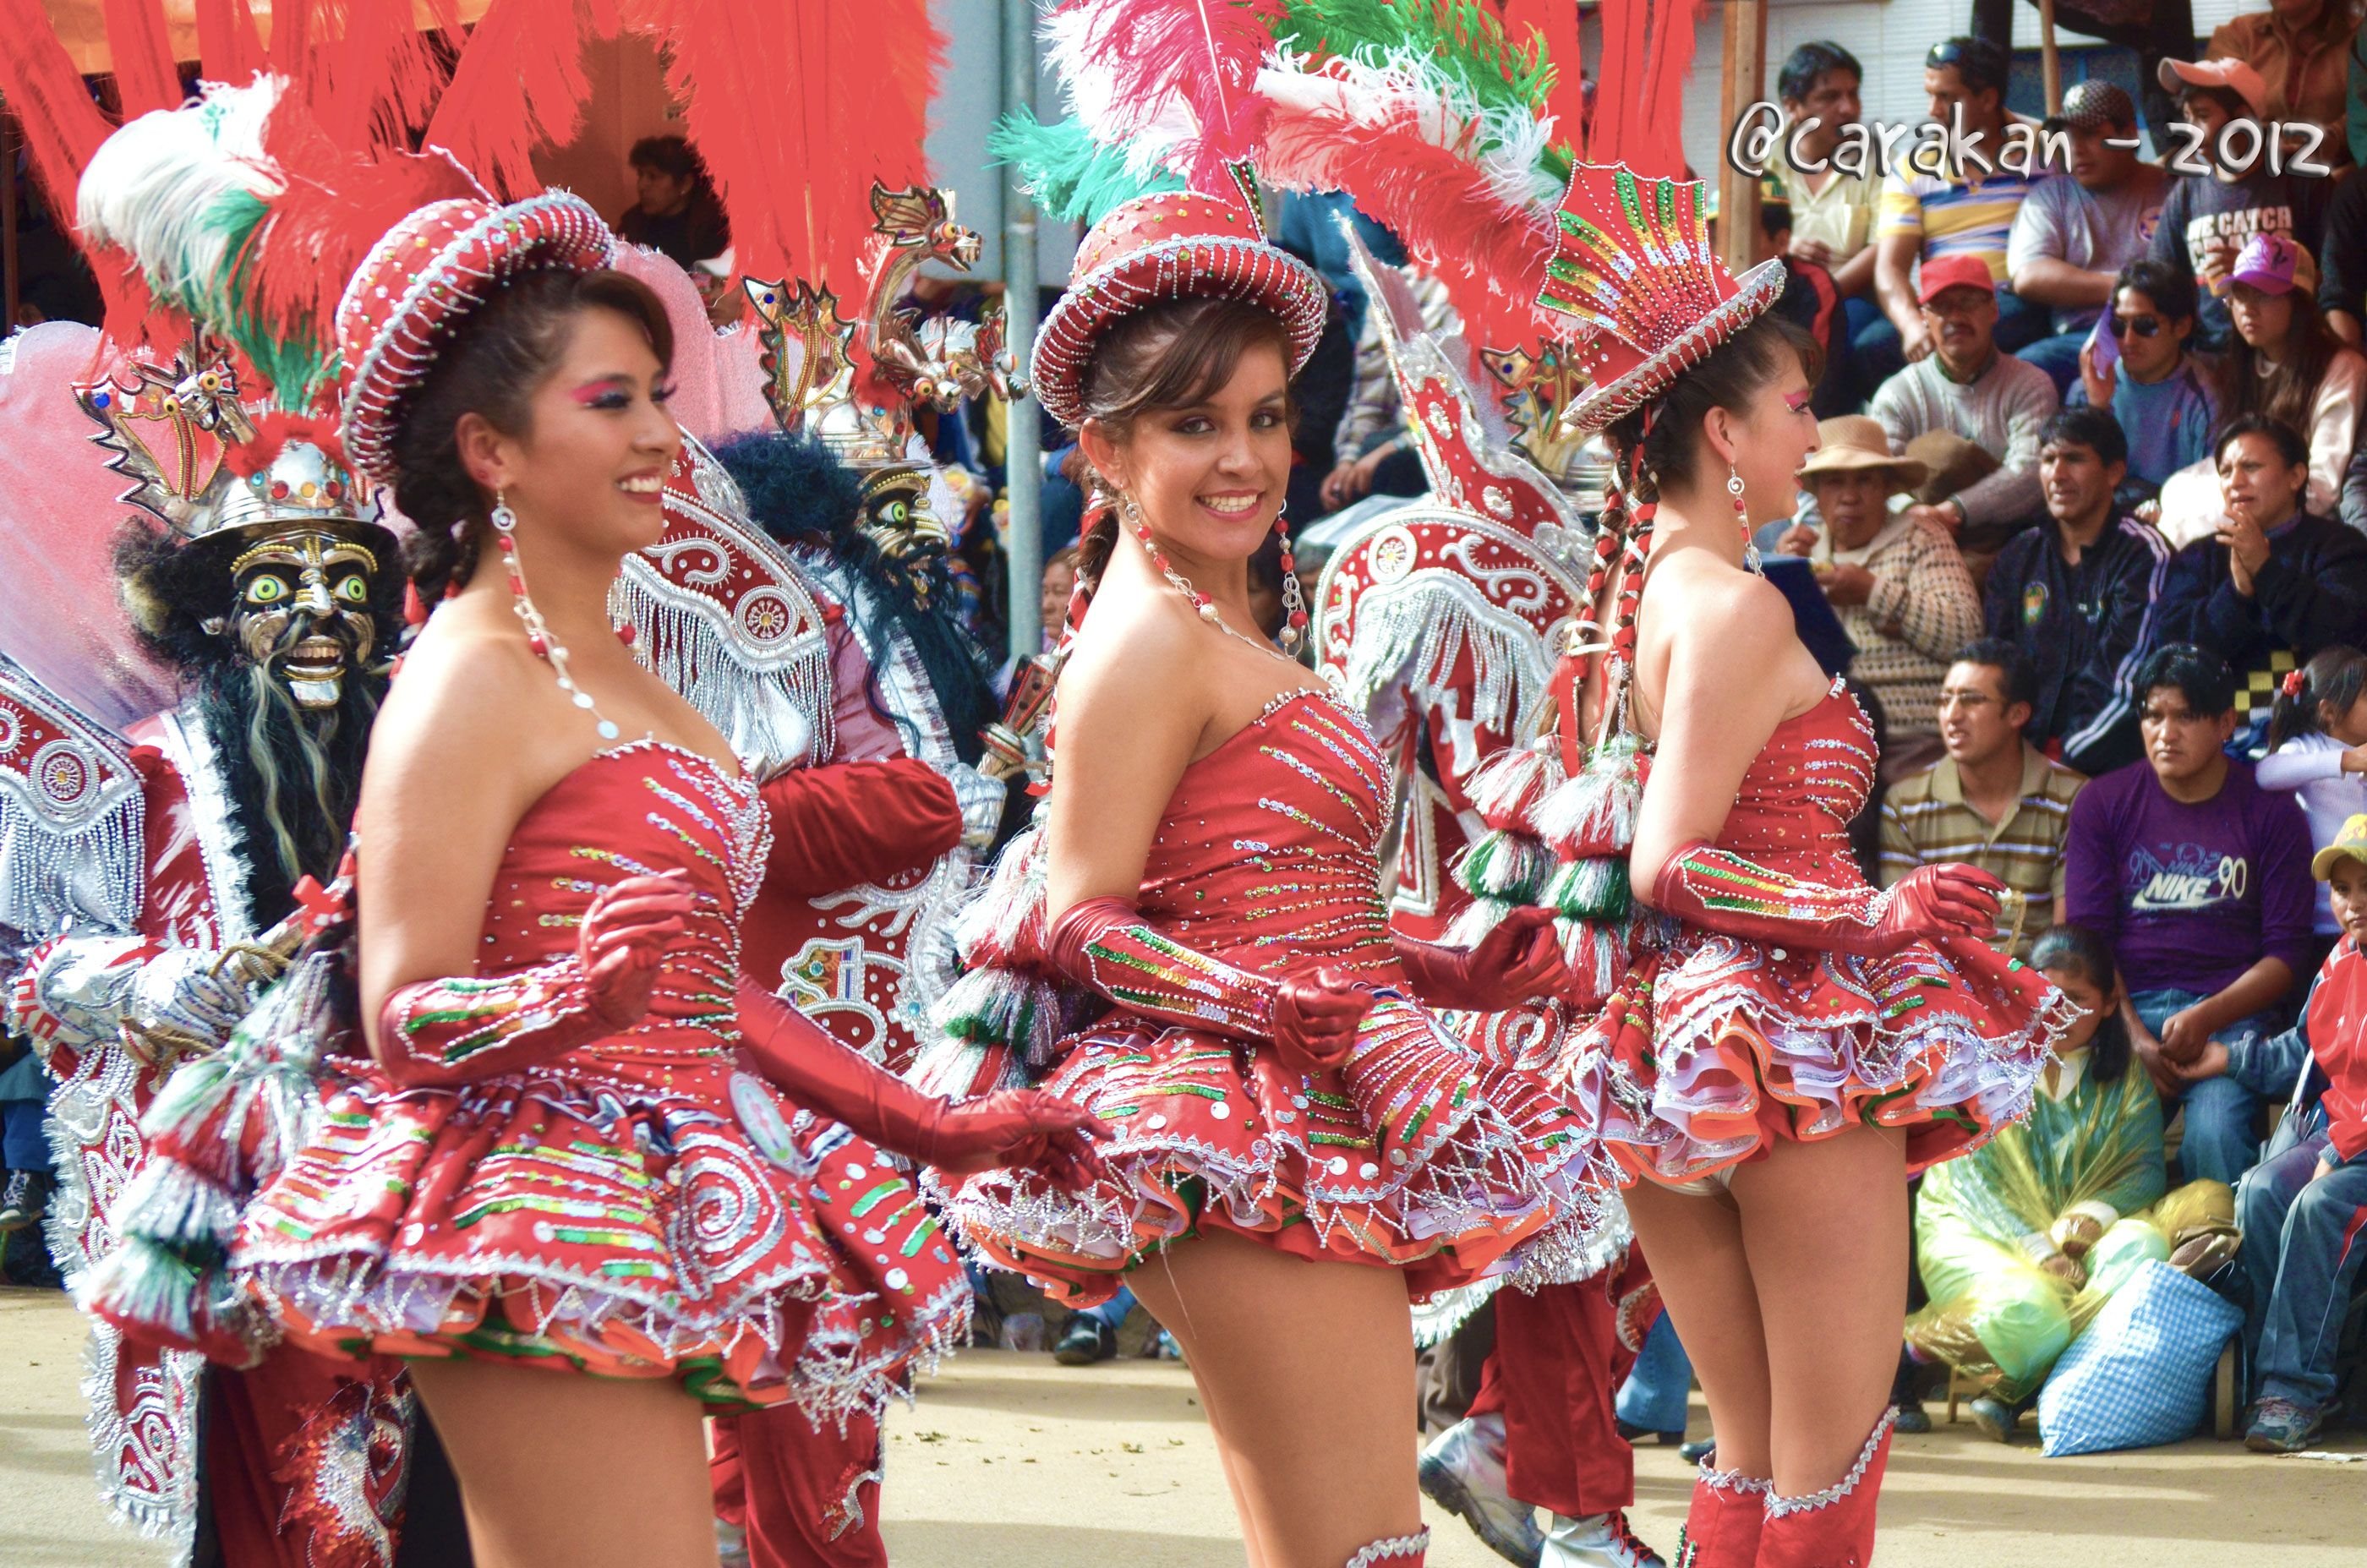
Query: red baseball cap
x,y
1954,272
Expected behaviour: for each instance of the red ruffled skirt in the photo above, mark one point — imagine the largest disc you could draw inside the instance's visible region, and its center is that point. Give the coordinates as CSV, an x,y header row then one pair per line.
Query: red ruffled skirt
x,y
1711,1047
632,1215
1417,1156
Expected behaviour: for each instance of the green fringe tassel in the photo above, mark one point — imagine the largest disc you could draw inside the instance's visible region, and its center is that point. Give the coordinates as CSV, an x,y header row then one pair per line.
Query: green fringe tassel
x,y
1511,867
1591,889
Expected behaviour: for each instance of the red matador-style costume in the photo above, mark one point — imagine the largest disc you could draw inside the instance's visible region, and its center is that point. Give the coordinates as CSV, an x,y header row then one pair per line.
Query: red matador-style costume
x,y
147,860
1415,1154
1439,620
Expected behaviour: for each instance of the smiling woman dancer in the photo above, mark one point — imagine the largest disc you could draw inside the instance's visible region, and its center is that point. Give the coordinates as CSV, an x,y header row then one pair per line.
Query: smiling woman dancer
x,y
1790,1044
1297,1143
584,1148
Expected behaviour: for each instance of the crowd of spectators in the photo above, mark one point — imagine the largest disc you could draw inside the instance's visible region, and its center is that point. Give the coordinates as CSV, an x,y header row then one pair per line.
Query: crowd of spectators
x,y
2090,503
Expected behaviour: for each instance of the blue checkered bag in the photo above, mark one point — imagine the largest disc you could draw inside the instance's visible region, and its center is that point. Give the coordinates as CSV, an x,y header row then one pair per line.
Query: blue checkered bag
x,y
2141,1375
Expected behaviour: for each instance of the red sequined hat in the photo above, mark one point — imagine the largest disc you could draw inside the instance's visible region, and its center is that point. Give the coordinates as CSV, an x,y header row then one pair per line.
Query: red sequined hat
x,y
1171,245
1633,260
423,279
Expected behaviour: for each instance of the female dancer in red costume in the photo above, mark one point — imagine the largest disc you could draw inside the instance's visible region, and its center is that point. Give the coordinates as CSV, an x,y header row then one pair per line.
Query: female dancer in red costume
x,y
1774,1064
585,1146
1297,1143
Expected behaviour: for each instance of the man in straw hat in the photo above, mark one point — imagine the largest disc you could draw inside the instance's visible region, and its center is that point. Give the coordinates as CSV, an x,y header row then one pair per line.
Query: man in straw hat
x,y
1896,580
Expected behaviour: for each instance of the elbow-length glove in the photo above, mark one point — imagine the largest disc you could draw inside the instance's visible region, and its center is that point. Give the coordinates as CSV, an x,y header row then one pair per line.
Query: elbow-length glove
x,y
852,824
1720,891
464,1029
1517,962
1310,1018
1024,1127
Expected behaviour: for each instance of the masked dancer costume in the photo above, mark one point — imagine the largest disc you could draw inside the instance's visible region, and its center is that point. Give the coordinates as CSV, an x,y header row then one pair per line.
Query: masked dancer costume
x,y
1439,620
258,575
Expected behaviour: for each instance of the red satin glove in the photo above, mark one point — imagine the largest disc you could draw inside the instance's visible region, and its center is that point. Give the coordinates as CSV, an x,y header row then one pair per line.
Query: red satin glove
x,y
846,824
1021,1127
1721,891
1315,1020
1310,1018
1518,961
464,1029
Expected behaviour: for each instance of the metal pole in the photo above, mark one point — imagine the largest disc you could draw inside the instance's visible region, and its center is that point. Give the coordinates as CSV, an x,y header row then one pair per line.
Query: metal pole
x,y
8,257
1023,454
2050,59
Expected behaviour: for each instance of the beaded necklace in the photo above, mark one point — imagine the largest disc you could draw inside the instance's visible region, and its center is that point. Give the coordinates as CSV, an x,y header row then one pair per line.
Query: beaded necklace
x,y
1294,601
538,631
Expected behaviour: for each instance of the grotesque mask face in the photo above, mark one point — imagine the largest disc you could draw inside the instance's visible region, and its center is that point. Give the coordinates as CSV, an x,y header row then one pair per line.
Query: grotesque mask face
x,y
304,610
897,516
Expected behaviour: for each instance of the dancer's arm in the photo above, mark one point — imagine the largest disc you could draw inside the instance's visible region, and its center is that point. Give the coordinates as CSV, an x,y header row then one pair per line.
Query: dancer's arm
x,y
1014,1127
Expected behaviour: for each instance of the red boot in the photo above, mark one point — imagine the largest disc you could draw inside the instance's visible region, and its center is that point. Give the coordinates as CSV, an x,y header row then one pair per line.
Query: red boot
x,y
1395,1551
1722,1526
1834,1527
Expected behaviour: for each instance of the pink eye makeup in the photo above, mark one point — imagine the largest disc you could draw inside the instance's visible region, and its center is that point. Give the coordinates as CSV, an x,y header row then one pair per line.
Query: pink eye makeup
x,y
1800,400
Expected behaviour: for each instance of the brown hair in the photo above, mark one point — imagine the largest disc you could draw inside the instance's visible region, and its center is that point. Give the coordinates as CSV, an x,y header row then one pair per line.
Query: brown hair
x,y
2288,391
1725,378
1169,355
500,354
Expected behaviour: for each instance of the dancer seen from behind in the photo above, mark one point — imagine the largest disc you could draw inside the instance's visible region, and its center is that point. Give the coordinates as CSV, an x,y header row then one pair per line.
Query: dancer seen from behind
x,y
1297,1144
585,1146
1783,1045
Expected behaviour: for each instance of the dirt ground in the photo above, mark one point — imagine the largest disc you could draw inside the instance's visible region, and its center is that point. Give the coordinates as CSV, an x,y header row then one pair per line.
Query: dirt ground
x,y
1011,1459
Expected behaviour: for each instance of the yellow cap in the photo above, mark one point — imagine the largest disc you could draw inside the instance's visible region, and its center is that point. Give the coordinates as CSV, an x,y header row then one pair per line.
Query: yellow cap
x,y
2348,845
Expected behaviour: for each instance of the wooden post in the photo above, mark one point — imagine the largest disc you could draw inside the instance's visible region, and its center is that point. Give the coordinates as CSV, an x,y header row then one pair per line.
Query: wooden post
x,y
1742,83
2050,60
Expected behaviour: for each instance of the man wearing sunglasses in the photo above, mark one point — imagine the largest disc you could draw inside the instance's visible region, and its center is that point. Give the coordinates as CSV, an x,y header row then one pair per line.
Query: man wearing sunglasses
x,y
1945,213
2082,223
2153,387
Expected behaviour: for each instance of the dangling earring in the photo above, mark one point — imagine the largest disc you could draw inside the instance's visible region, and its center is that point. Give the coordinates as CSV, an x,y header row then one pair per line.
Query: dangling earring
x,y
1202,605
538,631
1294,598
1742,521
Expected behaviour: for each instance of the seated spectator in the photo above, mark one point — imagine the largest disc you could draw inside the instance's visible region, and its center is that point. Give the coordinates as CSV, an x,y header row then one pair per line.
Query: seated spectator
x,y
2207,218
24,1143
1930,215
1994,801
2301,50
1308,227
1895,580
2078,596
2285,365
1833,213
2078,228
2342,259
676,209
2318,751
2164,401
2274,584
1375,450
2301,1208
1965,387
2022,1242
2199,880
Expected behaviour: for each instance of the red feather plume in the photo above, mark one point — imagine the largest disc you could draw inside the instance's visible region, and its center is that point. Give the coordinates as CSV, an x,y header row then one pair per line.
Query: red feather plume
x,y
796,109
273,430
228,47
520,86
1490,253
62,125
378,81
1203,53
141,51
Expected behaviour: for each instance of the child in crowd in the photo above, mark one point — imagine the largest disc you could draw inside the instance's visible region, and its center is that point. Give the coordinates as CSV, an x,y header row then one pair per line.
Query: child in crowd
x,y
2318,751
2304,1209
2022,1242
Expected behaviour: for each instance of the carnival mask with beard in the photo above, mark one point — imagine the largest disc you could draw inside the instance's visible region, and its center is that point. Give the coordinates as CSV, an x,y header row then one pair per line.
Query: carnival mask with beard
x,y
278,632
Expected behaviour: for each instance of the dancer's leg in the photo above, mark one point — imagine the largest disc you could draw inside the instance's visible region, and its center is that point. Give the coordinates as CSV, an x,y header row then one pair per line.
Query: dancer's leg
x,y
1824,1226
627,1487
1696,1245
1303,1367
